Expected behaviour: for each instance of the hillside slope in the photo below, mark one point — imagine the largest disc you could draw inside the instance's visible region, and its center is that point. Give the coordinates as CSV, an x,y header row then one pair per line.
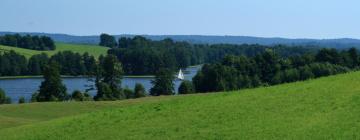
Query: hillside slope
x,y
340,43
94,50
325,108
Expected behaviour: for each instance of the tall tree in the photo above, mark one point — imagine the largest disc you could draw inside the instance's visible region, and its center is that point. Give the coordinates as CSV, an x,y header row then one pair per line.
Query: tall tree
x,y
108,79
163,83
52,88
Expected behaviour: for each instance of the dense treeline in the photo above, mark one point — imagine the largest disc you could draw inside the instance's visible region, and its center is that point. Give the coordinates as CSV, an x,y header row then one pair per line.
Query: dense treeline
x,y
143,56
14,64
238,72
138,55
28,42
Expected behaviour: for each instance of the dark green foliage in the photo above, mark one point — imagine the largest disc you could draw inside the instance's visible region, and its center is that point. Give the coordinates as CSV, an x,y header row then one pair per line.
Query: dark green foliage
x,y
21,100
52,88
28,42
163,83
129,93
37,63
79,96
108,79
12,64
186,87
143,56
34,97
139,91
70,63
3,98
107,41
7,100
269,69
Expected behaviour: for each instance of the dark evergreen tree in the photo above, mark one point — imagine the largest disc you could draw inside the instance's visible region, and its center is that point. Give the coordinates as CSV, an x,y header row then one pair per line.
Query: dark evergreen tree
x,y
52,88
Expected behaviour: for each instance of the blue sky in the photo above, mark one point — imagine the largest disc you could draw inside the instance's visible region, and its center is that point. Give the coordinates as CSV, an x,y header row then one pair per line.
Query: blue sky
x,y
263,18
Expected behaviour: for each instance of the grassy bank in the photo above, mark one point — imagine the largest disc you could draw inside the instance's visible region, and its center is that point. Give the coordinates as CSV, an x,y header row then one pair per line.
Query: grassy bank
x,y
325,108
94,50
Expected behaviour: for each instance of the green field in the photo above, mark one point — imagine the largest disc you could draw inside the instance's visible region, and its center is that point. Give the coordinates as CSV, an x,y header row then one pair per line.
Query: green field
x,y
325,108
94,50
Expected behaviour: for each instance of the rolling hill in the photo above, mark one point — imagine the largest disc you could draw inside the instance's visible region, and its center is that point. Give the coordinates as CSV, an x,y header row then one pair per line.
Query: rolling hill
x,y
340,43
94,50
325,108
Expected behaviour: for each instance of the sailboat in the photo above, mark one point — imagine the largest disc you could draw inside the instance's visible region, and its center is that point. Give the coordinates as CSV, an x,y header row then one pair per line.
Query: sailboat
x,y
180,76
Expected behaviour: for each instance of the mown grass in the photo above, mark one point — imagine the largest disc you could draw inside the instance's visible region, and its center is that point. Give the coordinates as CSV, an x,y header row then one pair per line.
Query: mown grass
x,y
94,50
325,108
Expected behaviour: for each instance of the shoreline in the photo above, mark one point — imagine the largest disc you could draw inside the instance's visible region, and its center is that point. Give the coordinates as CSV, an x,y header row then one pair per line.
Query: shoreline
x,y
81,76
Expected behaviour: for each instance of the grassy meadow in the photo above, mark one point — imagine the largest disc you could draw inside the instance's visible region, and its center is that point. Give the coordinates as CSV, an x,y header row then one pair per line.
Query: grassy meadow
x,y
324,108
94,50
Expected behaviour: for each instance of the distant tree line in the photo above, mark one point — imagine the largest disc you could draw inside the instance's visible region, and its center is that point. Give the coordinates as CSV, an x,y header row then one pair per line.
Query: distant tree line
x,y
28,42
140,55
239,72
14,64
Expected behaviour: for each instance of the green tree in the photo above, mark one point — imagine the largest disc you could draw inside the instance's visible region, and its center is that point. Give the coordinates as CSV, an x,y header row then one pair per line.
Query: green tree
x,y
139,91
163,83
37,63
52,88
108,79
107,40
186,87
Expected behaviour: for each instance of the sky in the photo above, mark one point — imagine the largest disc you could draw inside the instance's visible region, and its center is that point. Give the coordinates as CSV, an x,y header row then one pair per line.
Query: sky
x,y
319,19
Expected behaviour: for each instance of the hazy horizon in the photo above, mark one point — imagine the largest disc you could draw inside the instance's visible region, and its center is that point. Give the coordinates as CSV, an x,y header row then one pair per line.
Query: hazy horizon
x,y
297,19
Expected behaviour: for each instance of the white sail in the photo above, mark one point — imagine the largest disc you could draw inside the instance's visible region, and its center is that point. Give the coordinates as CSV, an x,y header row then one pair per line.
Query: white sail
x,y
180,75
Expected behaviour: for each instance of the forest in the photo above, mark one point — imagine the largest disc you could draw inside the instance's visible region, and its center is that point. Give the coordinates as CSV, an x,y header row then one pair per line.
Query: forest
x,y
28,42
268,68
140,56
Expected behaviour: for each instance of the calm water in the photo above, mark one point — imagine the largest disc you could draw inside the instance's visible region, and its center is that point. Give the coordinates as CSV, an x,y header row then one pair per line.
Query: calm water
x,y
16,88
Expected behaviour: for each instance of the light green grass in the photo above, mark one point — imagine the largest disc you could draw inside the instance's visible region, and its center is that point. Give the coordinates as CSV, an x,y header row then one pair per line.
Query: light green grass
x,y
94,50
325,108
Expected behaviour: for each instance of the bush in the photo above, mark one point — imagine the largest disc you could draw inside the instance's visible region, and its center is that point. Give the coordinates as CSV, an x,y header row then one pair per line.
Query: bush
x,y
139,91
79,96
34,97
186,87
21,100
3,98
129,93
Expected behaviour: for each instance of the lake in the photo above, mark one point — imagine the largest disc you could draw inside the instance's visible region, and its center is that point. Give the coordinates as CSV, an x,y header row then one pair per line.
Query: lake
x,y
25,87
